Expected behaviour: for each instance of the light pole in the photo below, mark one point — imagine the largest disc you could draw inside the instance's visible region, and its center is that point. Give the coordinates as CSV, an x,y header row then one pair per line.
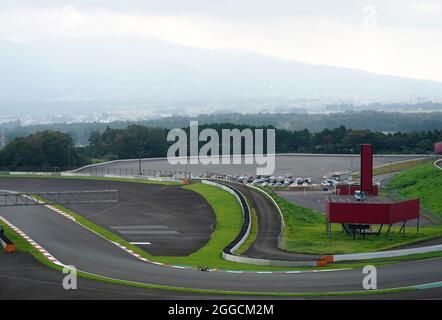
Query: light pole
x,y
69,158
390,170
140,155
351,164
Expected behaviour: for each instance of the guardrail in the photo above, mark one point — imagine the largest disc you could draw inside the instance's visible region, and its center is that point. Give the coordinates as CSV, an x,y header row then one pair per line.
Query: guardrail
x,y
229,251
384,254
104,175
247,221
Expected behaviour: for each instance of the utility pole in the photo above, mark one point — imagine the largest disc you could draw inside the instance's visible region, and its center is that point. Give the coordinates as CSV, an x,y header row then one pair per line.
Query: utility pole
x,y
351,162
69,158
390,169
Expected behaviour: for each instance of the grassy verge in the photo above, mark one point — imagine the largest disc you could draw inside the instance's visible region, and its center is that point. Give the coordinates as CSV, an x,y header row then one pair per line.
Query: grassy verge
x,y
24,246
253,233
400,166
395,167
305,232
228,225
424,182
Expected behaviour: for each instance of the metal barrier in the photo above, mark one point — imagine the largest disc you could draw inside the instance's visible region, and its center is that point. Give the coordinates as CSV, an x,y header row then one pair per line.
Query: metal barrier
x,y
49,198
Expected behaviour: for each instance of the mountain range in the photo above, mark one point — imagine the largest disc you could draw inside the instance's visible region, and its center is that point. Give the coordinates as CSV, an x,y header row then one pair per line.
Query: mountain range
x,y
137,70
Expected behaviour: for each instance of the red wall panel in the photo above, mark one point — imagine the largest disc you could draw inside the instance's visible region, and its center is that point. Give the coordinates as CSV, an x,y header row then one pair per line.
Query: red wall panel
x,y
405,210
372,213
359,212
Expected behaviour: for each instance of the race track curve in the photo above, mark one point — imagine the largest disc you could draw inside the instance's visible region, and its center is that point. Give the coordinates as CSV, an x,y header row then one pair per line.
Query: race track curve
x,y
72,244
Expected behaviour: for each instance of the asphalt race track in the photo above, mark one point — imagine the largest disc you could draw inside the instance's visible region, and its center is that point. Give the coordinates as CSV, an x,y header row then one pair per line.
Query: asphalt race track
x,y
297,165
172,220
72,244
24,278
265,245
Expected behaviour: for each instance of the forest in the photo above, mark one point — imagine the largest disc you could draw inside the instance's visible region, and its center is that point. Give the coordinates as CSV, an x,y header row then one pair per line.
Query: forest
x,y
53,150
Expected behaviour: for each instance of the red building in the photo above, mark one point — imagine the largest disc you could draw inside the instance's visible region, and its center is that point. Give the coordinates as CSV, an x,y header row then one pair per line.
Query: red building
x,y
347,210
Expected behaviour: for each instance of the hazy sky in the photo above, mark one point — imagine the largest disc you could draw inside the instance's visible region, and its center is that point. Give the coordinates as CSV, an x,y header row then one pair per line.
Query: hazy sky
x,y
397,37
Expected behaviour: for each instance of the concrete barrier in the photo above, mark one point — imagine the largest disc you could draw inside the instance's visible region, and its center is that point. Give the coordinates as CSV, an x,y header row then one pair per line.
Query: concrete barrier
x,y
73,174
268,262
245,211
229,254
384,254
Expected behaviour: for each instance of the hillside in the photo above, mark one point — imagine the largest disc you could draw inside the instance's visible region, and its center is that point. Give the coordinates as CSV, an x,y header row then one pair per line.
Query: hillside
x,y
134,70
424,182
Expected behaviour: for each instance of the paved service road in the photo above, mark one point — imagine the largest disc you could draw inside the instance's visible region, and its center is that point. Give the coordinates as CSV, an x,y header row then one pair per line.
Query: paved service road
x,y
265,245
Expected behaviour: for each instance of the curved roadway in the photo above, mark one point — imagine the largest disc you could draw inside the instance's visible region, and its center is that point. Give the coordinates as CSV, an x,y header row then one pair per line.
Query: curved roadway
x,y
297,165
164,220
266,243
72,244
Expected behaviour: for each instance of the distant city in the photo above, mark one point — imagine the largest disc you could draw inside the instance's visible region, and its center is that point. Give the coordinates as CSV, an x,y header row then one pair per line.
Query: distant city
x,y
26,116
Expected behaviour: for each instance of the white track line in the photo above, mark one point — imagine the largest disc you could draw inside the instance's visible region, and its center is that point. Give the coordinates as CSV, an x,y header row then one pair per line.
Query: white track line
x,y
34,244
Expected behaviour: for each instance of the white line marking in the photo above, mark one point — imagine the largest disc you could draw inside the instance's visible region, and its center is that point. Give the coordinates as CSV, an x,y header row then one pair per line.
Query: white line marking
x,y
140,243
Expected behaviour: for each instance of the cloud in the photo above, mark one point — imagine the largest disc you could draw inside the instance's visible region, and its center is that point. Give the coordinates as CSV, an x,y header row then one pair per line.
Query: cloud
x,y
427,9
403,42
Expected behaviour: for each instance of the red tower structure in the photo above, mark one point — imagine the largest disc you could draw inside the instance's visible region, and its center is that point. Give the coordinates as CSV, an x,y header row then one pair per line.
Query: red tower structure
x,y
366,176
347,210
367,168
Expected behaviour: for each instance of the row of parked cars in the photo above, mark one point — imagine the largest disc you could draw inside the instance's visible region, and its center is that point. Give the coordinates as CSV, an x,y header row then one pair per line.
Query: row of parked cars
x,y
272,181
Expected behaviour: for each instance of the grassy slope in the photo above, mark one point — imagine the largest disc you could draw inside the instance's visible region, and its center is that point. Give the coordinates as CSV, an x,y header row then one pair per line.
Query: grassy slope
x,y
228,226
305,232
424,182
395,167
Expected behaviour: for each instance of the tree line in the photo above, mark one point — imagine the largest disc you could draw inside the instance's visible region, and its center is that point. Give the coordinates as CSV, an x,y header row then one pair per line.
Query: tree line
x,y
52,150
377,121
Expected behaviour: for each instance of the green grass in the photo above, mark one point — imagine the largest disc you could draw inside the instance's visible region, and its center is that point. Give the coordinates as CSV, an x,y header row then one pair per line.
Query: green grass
x,y
424,182
227,210
24,246
400,166
252,235
229,221
395,167
305,232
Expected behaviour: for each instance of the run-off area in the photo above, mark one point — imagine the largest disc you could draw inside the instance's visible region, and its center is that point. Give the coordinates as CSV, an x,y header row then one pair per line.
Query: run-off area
x,y
162,220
